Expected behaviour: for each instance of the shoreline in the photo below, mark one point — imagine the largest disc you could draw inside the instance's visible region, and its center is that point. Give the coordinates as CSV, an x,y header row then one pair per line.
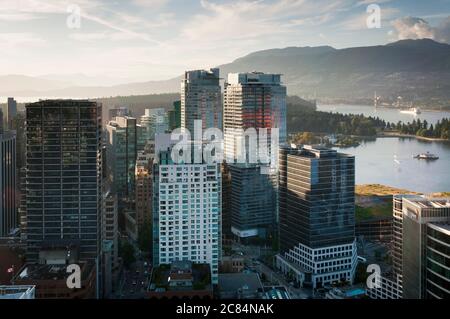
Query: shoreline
x,y
400,135
382,107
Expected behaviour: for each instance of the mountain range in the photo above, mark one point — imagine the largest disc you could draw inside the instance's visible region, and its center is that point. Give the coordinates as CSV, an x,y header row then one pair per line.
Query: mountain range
x,y
417,69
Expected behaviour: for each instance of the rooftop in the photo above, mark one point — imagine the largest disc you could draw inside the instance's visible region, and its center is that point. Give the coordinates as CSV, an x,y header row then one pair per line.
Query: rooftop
x,y
198,274
34,271
422,202
236,281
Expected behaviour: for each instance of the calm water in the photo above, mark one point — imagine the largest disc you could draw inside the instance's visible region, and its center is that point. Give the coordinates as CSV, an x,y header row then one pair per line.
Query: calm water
x,y
389,115
390,161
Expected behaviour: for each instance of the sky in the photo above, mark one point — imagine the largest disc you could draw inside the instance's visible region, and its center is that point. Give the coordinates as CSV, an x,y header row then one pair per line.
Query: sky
x,y
120,41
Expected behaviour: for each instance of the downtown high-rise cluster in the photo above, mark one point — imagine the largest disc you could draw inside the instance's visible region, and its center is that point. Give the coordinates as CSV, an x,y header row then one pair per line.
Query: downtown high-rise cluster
x,y
92,188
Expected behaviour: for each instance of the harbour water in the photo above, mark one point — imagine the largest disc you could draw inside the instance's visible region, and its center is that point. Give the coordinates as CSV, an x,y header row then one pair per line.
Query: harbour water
x,y
390,161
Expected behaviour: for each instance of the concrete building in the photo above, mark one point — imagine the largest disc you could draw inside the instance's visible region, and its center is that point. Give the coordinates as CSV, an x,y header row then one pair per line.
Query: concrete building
x,y
181,279
186,212
240,286
63,177
50,280
317,216
201,99
110,242
397,232
144,178
8,210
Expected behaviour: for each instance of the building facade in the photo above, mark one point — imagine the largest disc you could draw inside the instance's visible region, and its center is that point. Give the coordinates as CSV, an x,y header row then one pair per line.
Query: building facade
x,y
252,101
438,261
186,213
144,178
63,177
8,210
175,116
154,121
252,201
121,154
201,99
317,215
9,112
425,251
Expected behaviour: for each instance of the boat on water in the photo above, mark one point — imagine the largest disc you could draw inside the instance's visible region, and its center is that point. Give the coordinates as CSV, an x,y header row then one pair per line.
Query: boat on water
x,y
427,156
412,111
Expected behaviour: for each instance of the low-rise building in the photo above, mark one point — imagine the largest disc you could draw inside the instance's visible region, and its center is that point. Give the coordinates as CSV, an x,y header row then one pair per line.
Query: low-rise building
x,y
232,264
181,279
50,280
240,286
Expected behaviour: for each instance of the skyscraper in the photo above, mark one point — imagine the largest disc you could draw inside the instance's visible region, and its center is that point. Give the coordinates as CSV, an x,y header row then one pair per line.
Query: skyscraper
x,y
175,116
201,99
9,112
121,154
425,247
144,165
63,178
438,258
253,100
317,215
253,201
8,211
155,121
397,236
187,212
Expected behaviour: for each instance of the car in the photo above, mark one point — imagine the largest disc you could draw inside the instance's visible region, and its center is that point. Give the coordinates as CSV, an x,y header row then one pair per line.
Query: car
x,y
145,264
134,282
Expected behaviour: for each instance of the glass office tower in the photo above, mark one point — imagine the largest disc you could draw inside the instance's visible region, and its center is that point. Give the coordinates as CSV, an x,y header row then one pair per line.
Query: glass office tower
x,y
121,154
63,176
317,215
201,99
252,201
8,210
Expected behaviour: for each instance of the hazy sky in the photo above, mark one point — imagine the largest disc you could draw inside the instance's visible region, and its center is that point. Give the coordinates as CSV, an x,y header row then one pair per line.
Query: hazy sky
x,y
139,40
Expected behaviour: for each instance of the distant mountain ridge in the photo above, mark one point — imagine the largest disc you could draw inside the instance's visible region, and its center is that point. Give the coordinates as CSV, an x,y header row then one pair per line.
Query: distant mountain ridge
x,y
417,69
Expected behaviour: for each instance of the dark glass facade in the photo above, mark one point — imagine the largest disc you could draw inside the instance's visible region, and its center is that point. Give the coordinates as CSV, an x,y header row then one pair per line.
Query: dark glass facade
x,y
63,176
316,198
253,199
438,261
8,211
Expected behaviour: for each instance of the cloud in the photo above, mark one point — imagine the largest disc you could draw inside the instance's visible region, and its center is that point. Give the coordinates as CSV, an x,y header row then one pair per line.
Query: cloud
x,y
418,28
9,41
153,4
413,28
